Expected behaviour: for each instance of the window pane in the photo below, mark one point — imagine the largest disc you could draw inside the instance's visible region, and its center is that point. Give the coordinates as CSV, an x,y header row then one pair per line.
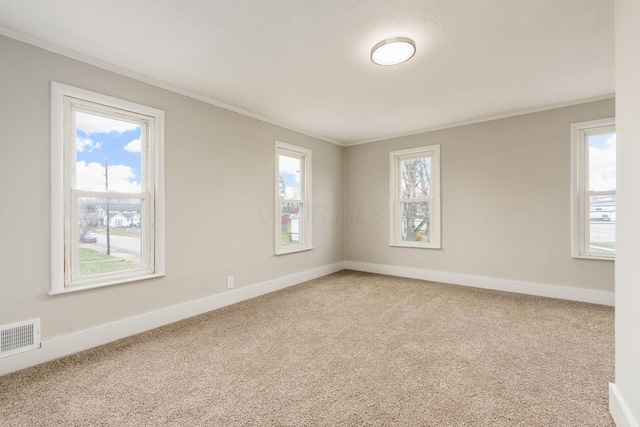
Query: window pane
x,y
415,178
291,224
602,224
110,235
290,177
105,144
602,162
415,222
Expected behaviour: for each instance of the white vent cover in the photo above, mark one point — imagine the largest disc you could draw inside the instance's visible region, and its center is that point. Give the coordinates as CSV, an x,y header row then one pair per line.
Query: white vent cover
x,y
19,337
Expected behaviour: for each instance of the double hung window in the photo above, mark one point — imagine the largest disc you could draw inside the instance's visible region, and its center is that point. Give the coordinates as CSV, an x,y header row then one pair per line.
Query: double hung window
x,y
415,197
292,199
593,189
106,201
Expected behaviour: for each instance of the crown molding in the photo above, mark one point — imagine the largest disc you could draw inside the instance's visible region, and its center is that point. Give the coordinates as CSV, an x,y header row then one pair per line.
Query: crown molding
x,y
162,85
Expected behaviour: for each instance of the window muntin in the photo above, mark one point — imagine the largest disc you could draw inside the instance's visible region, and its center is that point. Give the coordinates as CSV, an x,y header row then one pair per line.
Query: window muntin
x,y
594,189
293,199
107,204
415,188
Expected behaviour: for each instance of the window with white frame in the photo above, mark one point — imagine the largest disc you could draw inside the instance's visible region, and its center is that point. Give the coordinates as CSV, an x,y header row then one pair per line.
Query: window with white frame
x,y
593,189
292,199
415,197
107,219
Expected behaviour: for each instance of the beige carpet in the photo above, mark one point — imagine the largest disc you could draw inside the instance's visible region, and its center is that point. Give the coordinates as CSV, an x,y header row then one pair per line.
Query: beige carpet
x,y
349,349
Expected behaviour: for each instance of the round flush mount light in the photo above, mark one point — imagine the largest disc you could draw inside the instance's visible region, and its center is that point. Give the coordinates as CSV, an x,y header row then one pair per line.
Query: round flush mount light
x,y
393,51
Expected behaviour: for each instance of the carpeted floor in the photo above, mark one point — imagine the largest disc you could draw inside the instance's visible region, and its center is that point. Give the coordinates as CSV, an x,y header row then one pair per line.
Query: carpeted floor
x,y
348,349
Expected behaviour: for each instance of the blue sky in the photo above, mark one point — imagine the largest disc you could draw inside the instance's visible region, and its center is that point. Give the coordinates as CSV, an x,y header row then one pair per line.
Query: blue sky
x,y
111,145
289,169
290,179
602,162
600,141
119,141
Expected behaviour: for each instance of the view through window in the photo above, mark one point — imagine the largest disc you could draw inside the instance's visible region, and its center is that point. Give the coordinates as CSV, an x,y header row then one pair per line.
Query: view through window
x,y
601,193
108,160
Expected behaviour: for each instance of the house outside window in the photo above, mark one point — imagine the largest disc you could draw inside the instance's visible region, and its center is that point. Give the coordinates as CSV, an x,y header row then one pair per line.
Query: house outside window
x,y
292,198
106,169
415,197
593,189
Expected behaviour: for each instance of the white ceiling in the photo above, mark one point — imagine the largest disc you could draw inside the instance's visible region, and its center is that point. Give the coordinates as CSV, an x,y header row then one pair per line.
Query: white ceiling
x,y
305,63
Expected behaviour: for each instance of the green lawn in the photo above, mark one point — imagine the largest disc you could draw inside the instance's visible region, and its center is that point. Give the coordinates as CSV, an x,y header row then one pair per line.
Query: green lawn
x,y
93,262
286,239
128,232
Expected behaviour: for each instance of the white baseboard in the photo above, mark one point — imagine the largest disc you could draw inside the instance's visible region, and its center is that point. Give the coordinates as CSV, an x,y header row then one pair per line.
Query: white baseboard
x,y
88,338
529,288
619,410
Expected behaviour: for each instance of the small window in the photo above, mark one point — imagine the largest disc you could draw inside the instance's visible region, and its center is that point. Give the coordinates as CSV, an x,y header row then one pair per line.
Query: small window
x,y
292,199
107,199
593,189
415,197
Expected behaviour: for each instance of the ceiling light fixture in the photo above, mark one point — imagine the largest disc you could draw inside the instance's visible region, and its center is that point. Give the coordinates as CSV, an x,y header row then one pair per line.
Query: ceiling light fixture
x,y
393,51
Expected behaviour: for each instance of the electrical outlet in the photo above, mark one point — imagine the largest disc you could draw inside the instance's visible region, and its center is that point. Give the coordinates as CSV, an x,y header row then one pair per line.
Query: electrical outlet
x,y
229,282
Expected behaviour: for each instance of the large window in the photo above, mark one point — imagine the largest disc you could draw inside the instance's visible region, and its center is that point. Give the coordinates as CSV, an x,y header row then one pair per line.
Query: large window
x,y
107,190
593,189
292,199
415,197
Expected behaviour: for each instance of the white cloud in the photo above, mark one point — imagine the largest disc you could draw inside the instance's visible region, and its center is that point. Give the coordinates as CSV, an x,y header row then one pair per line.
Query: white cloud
x,y
292,193
90,177
602,166
133,146
90,123
87,144
289,165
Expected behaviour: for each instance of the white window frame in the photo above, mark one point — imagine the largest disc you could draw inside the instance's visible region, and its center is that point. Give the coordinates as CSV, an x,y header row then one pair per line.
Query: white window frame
x,y
63,236
395,157
580,217
305,156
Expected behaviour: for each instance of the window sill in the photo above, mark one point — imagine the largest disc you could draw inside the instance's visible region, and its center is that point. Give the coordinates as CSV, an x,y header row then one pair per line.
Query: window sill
x,y
293,251
592,257
121,281
397,245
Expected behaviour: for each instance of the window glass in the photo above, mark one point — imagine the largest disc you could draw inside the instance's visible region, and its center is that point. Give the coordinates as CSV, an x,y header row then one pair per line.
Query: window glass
x,y
102,141
416,222
110,235
602,162
416,178
291,220
290,177
602,224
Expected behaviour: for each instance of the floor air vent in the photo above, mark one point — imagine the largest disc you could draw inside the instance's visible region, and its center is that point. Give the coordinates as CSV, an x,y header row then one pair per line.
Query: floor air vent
x,y
18,337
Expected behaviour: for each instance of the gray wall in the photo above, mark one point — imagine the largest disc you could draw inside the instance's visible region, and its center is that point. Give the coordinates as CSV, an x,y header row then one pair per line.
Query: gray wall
x,y
505,201
219,198
505,208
